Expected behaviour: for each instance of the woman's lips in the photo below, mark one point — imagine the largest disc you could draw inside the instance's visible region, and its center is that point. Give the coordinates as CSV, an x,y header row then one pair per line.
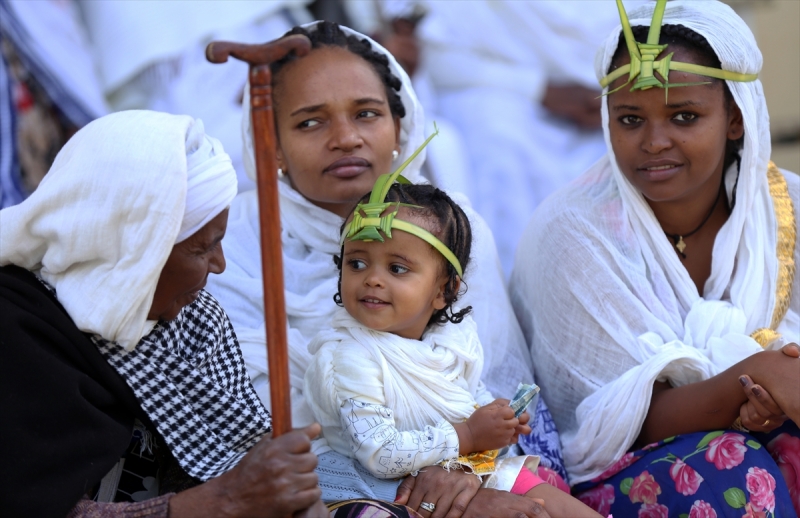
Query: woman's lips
x,y
347,167
659,170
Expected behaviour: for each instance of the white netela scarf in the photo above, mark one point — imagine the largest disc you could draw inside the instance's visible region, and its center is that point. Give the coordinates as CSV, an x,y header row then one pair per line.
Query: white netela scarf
x,y
605,280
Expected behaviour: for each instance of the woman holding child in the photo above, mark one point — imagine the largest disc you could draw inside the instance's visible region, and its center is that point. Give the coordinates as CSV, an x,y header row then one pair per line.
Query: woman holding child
x,y
345,114
647,287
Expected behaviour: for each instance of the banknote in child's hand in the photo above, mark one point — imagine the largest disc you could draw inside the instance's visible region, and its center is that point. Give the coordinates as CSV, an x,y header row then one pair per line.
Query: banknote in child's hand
x,y
523,397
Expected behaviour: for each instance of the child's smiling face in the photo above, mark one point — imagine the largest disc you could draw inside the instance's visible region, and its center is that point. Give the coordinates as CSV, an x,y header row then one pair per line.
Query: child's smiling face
x,y
394,286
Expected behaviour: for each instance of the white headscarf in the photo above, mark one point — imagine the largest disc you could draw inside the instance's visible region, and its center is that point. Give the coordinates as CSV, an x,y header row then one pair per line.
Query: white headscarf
x,y
102,223
310,238
604,299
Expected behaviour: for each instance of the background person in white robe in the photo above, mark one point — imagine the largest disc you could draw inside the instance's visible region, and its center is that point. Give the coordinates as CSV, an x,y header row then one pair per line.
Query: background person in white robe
x,y
516,78
347,124
151,55
649,288
49,88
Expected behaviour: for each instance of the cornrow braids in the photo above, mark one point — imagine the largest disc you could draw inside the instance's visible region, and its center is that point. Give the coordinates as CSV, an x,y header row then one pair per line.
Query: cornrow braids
x,y
449,224
680,36
328,34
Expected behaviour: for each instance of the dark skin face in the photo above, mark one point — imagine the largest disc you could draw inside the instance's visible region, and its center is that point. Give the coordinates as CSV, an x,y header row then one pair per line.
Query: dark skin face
x,y
336,132
673,153
186,270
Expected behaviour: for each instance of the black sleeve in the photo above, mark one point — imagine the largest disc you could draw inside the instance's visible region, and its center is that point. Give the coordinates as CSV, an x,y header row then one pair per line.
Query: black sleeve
x,y
67,416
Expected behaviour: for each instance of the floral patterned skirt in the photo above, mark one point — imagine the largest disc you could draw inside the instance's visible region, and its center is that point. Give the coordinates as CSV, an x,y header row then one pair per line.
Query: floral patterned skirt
x,y
370,509
703,475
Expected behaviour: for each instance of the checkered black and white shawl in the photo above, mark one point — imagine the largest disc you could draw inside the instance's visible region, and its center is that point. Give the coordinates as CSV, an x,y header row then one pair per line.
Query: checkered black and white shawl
x,y
189,376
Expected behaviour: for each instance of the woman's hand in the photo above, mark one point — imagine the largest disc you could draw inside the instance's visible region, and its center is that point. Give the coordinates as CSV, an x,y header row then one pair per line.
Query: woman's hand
x,y
760,413
779,375
488,428
491,503
450,491
275,479
457,494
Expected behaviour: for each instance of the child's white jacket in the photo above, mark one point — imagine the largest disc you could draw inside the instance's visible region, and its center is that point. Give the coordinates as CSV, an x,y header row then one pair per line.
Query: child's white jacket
x,y
388,401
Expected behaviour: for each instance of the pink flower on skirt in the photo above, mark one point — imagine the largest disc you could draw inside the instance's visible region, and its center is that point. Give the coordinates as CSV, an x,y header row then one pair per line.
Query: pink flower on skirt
x,y
644,489
726,451
753,513
702,509
653,511
625,461
687,480
785,449
761,486
599,498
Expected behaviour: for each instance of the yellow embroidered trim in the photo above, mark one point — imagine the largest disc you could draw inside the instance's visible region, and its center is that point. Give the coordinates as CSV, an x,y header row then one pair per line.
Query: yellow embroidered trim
x,y
787,237
764,336
479,463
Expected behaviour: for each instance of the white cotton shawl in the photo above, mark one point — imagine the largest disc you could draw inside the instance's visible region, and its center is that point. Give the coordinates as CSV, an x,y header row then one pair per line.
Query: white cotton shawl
x,y
104,220
603,298
423,381
310,238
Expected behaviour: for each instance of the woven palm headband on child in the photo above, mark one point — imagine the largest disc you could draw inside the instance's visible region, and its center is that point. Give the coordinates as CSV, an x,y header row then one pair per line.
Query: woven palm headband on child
x,y
643,57
368,224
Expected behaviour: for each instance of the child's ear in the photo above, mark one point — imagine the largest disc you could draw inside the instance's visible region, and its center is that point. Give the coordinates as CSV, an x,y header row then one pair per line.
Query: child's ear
x,y
440,302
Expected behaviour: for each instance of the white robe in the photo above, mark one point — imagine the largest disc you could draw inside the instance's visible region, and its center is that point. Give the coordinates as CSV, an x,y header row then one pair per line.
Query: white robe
x,y
604,300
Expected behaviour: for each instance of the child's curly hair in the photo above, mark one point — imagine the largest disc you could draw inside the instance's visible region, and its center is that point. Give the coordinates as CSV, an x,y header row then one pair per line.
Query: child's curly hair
x,y
449,224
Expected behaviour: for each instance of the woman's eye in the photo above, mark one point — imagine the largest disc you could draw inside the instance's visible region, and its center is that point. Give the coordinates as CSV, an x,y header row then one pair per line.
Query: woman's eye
x,y
308,124
367,114
685,117
398,269
357,264
629,119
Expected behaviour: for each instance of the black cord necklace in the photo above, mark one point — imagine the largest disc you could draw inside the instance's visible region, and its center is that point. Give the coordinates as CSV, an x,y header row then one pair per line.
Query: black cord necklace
x,y
677,239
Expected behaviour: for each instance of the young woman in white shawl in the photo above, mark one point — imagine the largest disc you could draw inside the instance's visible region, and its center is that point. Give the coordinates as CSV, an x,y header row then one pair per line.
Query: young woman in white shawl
x,y
344,115
658,291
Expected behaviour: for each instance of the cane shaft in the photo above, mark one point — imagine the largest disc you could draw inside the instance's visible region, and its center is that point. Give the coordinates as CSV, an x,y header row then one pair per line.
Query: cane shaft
x,y
263,121
265,144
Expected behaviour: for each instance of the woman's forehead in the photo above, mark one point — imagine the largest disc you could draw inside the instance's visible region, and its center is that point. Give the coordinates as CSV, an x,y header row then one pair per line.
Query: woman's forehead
x,y
327,74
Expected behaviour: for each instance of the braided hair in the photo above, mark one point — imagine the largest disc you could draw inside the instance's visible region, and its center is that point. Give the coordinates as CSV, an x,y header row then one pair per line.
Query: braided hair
x,y
448,222
328,34
680,36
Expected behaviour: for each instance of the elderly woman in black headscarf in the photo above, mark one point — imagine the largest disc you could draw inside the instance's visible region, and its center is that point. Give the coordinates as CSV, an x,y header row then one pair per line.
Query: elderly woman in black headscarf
x,y
120,377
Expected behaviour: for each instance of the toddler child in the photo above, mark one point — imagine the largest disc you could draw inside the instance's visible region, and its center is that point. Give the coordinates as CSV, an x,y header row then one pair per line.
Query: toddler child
x,y
396,383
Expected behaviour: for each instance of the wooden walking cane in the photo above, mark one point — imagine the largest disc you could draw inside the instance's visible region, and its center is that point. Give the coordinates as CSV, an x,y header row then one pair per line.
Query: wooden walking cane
x,y
259,57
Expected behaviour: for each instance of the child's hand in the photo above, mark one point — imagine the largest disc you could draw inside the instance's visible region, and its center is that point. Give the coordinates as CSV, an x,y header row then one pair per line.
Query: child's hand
x,y
522,428
491,427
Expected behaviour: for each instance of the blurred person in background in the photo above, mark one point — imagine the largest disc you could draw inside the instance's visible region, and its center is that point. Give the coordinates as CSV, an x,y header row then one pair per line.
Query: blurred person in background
x,y
49,89
517,79
151,55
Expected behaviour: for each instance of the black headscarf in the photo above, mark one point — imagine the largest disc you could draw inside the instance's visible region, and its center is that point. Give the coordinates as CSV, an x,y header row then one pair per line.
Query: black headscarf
x,y
67,416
